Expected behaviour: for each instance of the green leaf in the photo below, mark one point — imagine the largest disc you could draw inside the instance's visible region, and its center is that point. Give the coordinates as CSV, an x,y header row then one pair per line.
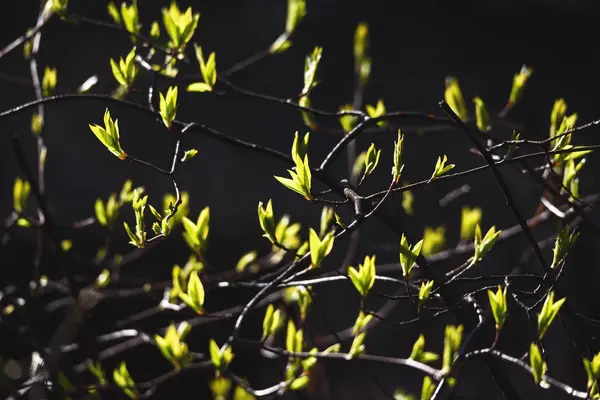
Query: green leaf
x,y
362,61
266,218
482,117
538,365
37,123
125,71
21,191
564,242
196,234
363,278
194,297
310,69
377,111
296,11
428,388
300,147
454,97
272,321
549,311
319,249
348,122
418,353
208,69
407,202
518,86
441,168
408,255
168,106
485,244
130,17
470,218
559,109
372,159
326,220
114,13
301,178
424,292
49,81
434,240
180,26
398,156
109,135
452,341
189,154
123,380
59,6
499,306
246,260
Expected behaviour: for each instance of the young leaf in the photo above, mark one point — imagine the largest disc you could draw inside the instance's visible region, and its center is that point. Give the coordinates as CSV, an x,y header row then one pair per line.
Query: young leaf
x,y
326,220
180,26
428,388
194,297
125,71
208,69
310,69
246,260
220,358
59,6
109,135
518,87
21,191
377,111
499,306
272,321
398,155
362,60
196,234
124,380
564,241
538,365
319,249
130,18
49,81
559,109
168,106
454,97
434,240
441,168
407,202
418,354
363,278
295,13
482,117
549,311
266,218
471,217
300,147
189,154
452,341
372,159
485,244
408,255
301,178
424,292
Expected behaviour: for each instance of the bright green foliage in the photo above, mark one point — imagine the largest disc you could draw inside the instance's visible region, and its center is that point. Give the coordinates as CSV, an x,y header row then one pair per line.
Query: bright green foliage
x,y
220,358
358,346
194,296
307,116
138,238
181,277
408,255
398,155
37,123
272,321
348,122
96,370
362,59
408,200
452,341
441,167
377,111
549,311
109,135
208,69
66,245
161,226
220,387
326,220
49,81
564,242
294,338
470,218
372,159
301,175
301,296
180,26
21,190
125,381
399,394
295,13
130,17
570,179
300,147
319,248
239,393
182,210
434,240
592,370
419,354
172,346
499,306
310,69
485,244
518,86
454,97
59,6
103,279
482,118
537,363
168,106
155,30
196,234
363,278
424,292
246,260
189,154
287,234
428,388
266,218
126,70
559,110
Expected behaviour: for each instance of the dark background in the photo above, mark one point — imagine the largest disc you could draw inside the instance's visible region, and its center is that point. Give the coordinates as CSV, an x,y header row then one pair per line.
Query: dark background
x,y
414,46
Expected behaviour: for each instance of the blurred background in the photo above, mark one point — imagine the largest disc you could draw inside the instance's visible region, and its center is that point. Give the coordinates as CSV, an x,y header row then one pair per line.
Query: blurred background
x,y
414,46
